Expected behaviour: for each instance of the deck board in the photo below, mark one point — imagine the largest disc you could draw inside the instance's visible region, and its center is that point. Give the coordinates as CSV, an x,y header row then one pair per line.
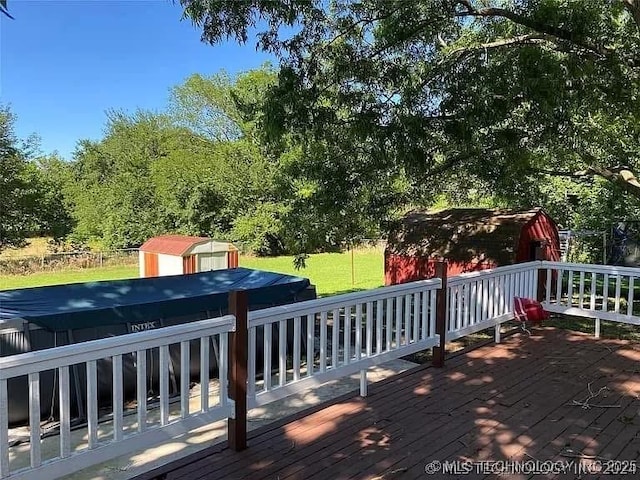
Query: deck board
x,y
511,401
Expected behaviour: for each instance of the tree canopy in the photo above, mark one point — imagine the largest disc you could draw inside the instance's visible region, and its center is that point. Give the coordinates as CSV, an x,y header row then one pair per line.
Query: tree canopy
x,y
503,95
31,203
375,106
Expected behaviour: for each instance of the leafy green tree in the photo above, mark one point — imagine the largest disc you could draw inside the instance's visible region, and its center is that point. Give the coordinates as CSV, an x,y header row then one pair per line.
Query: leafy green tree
x,y
151,175
206,106
239,170
31,189
392,100
219,107
48,176
113,195
18,197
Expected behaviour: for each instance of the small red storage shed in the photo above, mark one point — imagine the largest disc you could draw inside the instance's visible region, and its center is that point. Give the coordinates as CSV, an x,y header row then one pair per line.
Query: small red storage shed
x,y
470,239
181,254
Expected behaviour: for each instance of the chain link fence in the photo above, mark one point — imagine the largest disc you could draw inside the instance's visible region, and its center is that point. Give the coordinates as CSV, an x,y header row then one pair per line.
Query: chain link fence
x,y
53,262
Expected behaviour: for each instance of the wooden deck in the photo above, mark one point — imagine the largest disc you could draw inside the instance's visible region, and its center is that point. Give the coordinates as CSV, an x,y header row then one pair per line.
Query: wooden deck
x,y
511,401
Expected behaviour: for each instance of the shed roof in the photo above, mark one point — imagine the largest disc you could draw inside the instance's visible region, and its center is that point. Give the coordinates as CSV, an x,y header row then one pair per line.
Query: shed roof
x,y
461,233
172,244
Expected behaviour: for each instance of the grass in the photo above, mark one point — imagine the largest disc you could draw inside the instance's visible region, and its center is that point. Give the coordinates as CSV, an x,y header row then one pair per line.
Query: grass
x,y
36,247
608,329
330,272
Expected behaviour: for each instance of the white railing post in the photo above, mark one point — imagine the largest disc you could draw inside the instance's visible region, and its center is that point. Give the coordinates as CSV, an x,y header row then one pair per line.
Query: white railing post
x,y
363,383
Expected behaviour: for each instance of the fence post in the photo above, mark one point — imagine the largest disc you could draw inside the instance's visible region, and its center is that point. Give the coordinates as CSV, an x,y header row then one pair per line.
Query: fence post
x,y
441,315
238,347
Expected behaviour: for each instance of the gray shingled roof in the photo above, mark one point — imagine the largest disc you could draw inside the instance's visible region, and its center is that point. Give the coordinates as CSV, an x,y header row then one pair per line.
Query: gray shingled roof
x,y
461,234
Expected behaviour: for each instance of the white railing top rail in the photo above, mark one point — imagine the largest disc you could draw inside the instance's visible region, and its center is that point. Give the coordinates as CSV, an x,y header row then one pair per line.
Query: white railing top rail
x,y
472,276
309,307
42,360
587,267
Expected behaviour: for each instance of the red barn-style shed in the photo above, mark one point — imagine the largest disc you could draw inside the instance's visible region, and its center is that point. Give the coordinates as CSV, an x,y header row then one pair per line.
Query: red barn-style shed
x,y
470,239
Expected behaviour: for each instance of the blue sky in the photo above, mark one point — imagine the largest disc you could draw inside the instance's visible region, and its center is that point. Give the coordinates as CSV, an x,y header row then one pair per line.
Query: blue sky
x,y
64,63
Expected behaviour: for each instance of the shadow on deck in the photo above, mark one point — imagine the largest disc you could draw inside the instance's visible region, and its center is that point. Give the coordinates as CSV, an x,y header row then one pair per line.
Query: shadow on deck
x,y
514,401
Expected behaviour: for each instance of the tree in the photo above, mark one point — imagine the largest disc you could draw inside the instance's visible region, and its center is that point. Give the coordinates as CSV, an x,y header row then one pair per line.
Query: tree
x,y
219,107
4,10
244,173
501,95
112,191
198,170
19,213
49,175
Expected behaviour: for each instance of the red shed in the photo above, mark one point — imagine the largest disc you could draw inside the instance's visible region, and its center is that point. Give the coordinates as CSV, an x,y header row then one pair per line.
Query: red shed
x,y
469,239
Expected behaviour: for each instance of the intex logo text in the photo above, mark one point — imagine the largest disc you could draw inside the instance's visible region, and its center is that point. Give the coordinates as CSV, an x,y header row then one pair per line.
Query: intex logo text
x,y
141,327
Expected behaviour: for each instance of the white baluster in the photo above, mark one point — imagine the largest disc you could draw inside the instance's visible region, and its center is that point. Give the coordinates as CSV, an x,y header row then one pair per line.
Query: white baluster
x,y
296,347
34,420
163,368
204,373
282,352
4,429
141,389
92,403
185,371
323,342
65,413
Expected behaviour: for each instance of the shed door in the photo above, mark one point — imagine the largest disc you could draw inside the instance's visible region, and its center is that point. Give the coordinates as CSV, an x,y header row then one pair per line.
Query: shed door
x,y
534,245
189,264
232,259
150,265
212,261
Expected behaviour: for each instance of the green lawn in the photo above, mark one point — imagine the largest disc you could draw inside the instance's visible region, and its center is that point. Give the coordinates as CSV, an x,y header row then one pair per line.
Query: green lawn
x,y
330,272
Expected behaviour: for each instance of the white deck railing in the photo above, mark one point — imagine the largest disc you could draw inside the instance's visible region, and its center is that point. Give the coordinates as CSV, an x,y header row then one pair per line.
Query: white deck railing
x,y
289,348
601,292
124,436
336,336
480,300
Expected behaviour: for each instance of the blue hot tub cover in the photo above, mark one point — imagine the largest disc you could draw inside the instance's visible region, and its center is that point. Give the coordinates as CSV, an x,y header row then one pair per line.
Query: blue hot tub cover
x,y
84,305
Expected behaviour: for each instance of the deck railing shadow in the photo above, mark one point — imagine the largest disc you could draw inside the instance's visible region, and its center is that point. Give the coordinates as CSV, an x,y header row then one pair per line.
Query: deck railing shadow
x,y
499,410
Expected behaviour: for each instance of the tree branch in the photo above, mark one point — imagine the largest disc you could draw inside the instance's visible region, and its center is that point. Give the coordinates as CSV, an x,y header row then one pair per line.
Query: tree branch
x,y
455,160
561,33
560,173
502,42
621,176
633,6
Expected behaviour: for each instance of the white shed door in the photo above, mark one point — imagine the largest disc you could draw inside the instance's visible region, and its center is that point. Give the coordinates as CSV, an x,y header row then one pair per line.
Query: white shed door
x,y
212,261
